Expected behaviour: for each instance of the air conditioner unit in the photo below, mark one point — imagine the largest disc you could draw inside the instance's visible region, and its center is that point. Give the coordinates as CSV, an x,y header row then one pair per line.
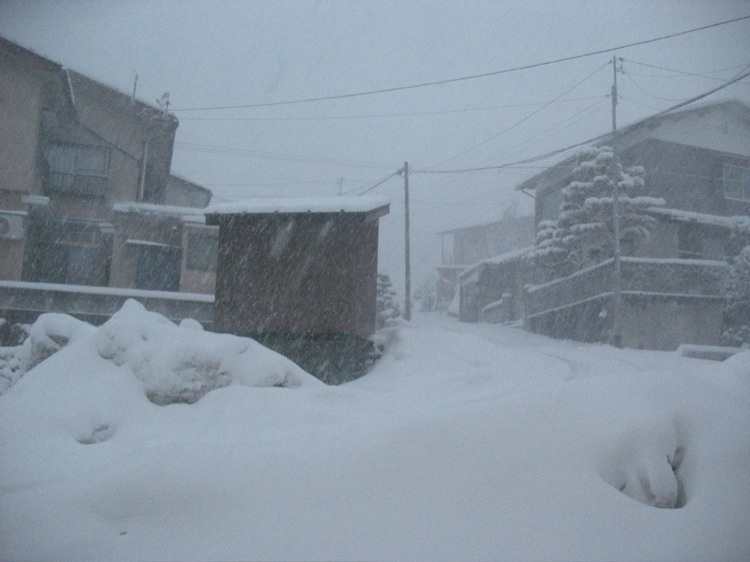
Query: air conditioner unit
x,y
11,226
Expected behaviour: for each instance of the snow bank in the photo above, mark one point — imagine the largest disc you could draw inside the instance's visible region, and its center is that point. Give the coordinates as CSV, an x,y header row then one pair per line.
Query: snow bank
x,y
465,442
48,335
174,363
182,363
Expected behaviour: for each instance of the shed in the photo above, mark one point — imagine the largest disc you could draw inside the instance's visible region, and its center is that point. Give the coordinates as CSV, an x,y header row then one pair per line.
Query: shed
x,y
300,276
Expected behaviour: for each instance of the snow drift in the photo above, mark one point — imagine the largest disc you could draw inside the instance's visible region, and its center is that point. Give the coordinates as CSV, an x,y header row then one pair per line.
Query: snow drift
x,y
464,442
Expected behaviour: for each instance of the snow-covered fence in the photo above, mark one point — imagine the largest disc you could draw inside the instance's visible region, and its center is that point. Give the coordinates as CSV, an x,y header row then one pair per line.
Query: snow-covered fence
x,y
665,303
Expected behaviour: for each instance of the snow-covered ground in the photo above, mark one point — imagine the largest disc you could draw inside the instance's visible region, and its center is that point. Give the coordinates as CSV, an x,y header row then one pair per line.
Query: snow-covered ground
x,y
465,442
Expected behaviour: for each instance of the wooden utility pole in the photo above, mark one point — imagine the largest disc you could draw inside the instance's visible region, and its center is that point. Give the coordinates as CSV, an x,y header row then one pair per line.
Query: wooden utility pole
x,y
407,258
616,336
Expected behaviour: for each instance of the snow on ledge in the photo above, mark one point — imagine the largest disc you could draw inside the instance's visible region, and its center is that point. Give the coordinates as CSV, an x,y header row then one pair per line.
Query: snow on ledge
x,y
187,214
114,291
300,205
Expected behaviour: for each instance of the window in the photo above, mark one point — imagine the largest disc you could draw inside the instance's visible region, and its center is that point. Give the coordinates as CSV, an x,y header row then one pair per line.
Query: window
x,y
157,266
737,182
77,169
202,251
70,263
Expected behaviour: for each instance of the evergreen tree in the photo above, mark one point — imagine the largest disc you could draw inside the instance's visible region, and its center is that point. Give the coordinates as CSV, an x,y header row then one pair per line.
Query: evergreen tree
x,y
584,230
387,308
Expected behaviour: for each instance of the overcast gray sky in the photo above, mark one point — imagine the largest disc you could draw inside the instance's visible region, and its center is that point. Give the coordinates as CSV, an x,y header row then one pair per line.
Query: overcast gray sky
x,y
223,53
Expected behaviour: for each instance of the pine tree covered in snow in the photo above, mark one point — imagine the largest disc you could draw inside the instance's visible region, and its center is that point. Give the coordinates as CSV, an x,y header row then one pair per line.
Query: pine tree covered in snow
x,y
737,309
387,307
584,230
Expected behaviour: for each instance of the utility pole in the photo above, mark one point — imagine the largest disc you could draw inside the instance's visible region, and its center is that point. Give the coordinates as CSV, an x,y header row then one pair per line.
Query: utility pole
x,y
616,336
407,258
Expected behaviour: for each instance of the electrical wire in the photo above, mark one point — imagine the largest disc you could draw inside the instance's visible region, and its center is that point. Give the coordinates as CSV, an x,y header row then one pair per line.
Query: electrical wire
x,y
385,115
464,78
699,75
523,120
232,151
640,89
737,78
367,189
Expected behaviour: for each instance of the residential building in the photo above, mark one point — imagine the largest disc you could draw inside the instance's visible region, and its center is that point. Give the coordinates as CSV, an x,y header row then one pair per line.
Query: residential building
x,y
86,194
698,161
464,246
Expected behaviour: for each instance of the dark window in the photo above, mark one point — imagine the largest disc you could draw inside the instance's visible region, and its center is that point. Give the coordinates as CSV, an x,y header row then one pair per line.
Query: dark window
x,y
737,182
72,264
77,169
202,251
158,268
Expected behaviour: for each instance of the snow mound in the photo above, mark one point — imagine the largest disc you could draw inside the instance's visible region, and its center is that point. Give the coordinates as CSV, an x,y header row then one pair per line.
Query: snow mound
x,y
643,460
176,364
49,334
180,364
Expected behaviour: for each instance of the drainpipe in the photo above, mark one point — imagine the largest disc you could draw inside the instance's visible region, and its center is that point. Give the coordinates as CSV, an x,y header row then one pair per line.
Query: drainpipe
x,y
144,160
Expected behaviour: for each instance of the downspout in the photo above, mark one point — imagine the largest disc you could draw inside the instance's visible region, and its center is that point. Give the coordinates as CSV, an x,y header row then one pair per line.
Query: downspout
x,y
144,160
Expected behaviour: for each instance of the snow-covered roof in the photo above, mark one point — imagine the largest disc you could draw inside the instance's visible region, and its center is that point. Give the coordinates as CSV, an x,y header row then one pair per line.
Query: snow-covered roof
x,y
261,206
682,130
189,214
742,222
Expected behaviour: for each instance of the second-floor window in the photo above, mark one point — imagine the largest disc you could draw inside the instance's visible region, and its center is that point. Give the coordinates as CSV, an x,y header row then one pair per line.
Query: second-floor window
x,y
77,169
737,182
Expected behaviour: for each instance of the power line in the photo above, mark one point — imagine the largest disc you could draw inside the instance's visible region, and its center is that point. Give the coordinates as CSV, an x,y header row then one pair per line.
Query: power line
x,y
523,120
737,78
465,78
699,75
640,89
380,182
385,115
232,151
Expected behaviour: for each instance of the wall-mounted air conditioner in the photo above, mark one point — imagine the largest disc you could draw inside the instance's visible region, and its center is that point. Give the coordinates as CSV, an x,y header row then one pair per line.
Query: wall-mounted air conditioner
x,y
11,226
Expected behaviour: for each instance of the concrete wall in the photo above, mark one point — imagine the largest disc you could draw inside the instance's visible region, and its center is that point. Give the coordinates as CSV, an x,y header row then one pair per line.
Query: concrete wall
x,y
666,322
665,303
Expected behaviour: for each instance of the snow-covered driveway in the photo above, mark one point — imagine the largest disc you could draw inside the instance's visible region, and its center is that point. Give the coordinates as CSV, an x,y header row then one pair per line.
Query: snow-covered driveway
x,y
464,442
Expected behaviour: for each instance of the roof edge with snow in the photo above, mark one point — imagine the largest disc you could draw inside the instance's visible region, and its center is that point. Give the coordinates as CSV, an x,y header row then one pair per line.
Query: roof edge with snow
x,y
294,205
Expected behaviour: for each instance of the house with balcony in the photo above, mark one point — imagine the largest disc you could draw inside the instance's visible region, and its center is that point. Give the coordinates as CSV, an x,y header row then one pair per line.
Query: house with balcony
x,y
698,161
87,198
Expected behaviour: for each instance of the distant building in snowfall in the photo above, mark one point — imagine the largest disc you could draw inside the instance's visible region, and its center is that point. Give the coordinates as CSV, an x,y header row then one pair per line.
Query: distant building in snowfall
x,y
86,194
698,160
464,246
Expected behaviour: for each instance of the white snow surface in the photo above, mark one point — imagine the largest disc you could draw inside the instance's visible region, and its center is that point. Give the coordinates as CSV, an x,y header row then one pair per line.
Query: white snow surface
x,y
345,204
464,442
